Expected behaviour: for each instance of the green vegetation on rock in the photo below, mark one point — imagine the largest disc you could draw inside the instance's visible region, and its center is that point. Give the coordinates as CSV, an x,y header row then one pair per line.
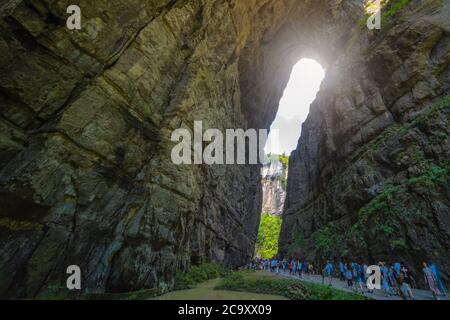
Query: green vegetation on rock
x,y
268,234
284,159
328,241
389,9
297,242
393,7
395,201
198,274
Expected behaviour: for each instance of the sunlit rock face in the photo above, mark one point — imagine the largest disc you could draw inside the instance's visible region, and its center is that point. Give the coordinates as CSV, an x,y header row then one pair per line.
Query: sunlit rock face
x,y
274,179
86,176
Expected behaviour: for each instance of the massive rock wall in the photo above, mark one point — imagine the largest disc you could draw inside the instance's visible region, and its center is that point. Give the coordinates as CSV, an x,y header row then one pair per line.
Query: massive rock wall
x,y
86,177
274,178
370,177
86,118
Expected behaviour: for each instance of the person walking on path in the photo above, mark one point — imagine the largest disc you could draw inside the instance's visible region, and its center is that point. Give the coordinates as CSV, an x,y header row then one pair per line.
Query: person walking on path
x,y
438,279
299,268
302,268
365,275
311,268
429,280
328,272
305,267
393,281
397,269
341,271
349,276
274,265
385,279
357,275
405,280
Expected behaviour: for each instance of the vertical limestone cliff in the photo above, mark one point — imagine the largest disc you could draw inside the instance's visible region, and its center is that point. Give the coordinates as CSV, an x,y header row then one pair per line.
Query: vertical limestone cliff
x,y
274,179
86,118
370,178
86,176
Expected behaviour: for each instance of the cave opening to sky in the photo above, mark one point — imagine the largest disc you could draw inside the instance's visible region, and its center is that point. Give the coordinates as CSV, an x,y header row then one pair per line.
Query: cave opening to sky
x,y
301,90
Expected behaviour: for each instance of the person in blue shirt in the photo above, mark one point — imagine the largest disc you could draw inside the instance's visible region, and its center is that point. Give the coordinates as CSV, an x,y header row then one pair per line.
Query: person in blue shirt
x,y
274,265
341,271
430,281
299,268
349,276
302,268
357,275
305,267
365,276
328,272
397,268
284,265
385,279
438,278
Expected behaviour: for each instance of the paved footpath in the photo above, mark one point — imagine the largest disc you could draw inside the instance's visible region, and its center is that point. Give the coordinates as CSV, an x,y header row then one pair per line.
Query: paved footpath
x,y
377,295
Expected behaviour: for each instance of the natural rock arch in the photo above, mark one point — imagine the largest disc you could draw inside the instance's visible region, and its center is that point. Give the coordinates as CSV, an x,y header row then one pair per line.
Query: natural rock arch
x,y
85,171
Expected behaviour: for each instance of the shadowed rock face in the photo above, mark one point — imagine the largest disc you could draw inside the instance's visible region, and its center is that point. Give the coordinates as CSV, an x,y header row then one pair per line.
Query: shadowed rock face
x,y
86,175
85,171
370,177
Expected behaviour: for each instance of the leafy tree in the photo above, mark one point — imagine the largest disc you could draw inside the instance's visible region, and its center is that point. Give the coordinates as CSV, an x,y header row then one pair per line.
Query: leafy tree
x,y
284,159
269,231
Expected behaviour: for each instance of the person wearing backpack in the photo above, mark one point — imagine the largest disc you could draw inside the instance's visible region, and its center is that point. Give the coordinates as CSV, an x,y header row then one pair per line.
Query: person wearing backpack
x,y
349,276
405,280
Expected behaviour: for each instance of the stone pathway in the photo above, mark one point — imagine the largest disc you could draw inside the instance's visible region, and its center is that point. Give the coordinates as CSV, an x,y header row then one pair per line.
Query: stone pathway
x,y
377,295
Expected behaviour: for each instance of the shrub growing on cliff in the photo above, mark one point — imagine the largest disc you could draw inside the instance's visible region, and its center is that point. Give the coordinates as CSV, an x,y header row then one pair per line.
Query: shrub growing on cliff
x,y
297,242
382,214
268,234
328,241
394,6
284,159
198,274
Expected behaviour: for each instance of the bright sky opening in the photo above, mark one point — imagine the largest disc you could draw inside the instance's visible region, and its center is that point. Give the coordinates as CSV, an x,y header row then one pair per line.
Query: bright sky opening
x,y
302,89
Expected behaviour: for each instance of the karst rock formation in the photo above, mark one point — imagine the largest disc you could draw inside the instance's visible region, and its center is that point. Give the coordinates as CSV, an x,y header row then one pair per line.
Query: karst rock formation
x,y
86,117
274,181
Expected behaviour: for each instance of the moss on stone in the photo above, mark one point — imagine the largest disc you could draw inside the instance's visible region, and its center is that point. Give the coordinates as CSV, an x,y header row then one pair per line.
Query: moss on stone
x,y
393,7
16,225
389,9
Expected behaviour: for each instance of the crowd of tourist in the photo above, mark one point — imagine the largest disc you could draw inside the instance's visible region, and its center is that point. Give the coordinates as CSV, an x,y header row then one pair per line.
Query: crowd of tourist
x,y
396,279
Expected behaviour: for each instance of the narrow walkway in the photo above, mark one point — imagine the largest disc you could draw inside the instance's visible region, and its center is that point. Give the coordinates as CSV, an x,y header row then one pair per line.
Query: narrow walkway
x,y
377,295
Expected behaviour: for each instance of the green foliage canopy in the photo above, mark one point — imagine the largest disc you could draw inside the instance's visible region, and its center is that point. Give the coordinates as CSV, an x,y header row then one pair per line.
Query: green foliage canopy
x,y
269,231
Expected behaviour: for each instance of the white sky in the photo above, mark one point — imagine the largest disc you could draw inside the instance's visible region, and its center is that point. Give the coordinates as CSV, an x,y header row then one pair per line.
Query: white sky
x,y
304,83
